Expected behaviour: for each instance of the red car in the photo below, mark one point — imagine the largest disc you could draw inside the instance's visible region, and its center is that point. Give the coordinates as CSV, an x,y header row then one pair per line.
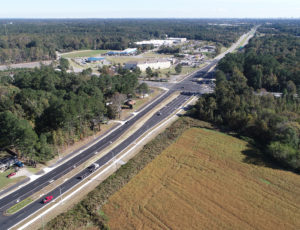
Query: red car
x,y
47,199
12,174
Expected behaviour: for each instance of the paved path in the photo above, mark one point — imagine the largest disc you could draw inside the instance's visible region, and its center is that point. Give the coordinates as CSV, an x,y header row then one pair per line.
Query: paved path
x,y
28,65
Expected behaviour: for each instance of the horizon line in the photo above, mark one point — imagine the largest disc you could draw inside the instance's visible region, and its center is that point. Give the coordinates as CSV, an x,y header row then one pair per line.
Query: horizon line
x,y
220,18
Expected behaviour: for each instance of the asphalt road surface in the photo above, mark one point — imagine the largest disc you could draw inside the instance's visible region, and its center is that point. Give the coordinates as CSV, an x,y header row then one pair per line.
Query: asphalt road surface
x,y
188,88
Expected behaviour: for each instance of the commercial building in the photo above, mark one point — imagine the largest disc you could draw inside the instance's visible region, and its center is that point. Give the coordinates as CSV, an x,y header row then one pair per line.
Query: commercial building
x,y
95,59
208,49
153,64
158,43
177,40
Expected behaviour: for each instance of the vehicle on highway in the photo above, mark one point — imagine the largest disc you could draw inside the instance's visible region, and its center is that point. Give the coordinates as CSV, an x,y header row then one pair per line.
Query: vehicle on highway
x,y
11,175
47,199
158,113
93,167
84,175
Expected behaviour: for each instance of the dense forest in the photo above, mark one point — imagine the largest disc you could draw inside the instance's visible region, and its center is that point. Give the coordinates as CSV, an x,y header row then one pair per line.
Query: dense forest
x,y
271,62
277,26
35,40
43,109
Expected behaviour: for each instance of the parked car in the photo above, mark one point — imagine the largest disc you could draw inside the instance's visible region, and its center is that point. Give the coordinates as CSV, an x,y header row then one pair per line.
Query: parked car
x,y
12,174
19,164
47,199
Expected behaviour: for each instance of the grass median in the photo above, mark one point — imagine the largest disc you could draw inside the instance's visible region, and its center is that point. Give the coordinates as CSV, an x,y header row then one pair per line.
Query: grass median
x,y
17,207
87,212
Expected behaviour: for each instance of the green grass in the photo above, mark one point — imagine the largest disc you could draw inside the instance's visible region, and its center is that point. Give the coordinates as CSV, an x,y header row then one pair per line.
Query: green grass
x,y
123,60
223,49
4,181
89,209
187,70
84,53
156,55
102,214
17,207
171,70
265,181
32,170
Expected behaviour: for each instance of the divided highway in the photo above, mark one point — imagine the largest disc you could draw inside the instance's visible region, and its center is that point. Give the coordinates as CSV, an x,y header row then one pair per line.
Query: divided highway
x,y
186,87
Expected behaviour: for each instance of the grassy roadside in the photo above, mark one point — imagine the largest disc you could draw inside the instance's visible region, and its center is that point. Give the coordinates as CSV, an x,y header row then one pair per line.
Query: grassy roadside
x,y
17,207
84,53
200,183
88,211
6,182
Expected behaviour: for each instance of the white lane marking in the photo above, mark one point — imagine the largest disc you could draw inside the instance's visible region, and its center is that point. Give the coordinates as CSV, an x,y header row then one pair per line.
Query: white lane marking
x,y
90,181
46,170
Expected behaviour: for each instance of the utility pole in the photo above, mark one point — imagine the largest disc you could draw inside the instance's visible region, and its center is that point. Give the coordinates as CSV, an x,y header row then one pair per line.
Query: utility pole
x,y
43,224
5,29
60,195
114,160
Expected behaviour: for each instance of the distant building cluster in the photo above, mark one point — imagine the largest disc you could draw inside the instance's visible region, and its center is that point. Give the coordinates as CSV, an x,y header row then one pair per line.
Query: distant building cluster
x,y
158,43
191,53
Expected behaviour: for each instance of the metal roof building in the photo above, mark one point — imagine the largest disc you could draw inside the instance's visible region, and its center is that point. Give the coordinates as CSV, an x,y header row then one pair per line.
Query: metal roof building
x,y
128,51
95,59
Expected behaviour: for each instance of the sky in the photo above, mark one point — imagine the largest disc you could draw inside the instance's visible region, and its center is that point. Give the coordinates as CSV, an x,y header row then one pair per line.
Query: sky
x,y
149,8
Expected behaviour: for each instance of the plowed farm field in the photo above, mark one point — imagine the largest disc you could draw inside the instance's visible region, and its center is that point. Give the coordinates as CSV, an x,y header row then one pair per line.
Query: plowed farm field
x,y
202,182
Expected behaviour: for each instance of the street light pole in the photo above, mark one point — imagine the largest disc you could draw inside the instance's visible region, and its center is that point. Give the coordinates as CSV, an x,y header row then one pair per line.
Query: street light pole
x,y
60,195
43,224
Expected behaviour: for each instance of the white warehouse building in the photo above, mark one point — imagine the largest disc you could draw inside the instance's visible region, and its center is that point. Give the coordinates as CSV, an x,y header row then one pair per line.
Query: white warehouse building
x,y
156,43
167,42
153,64
178,40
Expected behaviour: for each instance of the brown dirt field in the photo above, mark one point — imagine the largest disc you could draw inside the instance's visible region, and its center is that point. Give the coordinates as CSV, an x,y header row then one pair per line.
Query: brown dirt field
x,y
201,182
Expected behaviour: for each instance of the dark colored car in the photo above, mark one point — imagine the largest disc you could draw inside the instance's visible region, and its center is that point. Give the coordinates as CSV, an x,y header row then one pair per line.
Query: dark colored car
x,y
47,199
19,164
83,176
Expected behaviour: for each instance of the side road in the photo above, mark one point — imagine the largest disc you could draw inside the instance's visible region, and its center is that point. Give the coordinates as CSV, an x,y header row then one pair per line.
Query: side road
x,y
28,65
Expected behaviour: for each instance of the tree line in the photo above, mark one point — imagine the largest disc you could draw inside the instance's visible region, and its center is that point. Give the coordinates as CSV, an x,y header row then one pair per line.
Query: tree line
x,y
43,109
36,40
270,62
273,123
